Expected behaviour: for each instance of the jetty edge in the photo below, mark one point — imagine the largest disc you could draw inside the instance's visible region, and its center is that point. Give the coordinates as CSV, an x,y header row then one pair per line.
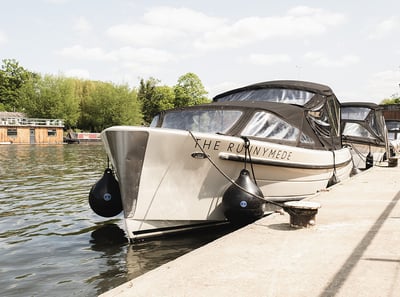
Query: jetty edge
x,y
352,250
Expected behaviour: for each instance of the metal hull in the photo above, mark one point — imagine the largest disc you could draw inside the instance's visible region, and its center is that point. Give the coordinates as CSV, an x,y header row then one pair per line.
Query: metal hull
x,y
166,183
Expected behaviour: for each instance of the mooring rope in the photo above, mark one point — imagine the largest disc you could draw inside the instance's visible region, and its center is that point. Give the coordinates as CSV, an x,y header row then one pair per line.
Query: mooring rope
x,y
230,179
247,154
360,154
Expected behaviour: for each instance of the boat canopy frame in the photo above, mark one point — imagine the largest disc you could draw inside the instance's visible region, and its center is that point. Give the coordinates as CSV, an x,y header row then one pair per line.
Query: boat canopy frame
x,y
320,101
364,121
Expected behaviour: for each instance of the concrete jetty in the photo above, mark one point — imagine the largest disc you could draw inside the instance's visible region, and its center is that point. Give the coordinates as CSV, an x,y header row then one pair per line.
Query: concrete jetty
x,y
352,250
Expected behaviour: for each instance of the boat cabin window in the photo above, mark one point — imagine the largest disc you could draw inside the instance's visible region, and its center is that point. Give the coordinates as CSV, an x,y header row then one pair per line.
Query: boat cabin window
x,y
393,136
393,125
355,129
306,139
154,121
299,97
51,132
210,121
393,130
12,132
355,113
268,125
375,125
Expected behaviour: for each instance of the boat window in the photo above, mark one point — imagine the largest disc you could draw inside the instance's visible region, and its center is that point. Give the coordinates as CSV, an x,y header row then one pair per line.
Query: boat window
x,y
12,132
375,126
210,121
264,124
299,97
306,139
154,121
355,129
393,125
355,113
394,135
51,132
321,123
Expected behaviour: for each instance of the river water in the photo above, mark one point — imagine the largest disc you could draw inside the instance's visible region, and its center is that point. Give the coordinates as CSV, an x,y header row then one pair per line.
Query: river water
x,y
51,242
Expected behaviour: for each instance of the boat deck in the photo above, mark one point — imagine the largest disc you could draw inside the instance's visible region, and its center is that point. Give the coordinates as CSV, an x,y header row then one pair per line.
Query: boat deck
x,y
352,250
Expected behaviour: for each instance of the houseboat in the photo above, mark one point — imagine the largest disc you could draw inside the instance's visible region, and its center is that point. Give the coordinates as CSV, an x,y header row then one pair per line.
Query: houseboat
x,y
16,128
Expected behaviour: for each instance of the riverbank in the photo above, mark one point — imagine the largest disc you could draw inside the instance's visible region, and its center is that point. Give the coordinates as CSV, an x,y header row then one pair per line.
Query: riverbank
x,y
353,250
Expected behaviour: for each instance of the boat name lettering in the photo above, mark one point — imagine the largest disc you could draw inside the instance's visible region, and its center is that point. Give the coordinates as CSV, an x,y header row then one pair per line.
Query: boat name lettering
x,y
207,144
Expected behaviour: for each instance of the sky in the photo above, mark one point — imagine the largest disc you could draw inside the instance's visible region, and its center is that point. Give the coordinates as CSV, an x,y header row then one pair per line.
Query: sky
x,y
351,46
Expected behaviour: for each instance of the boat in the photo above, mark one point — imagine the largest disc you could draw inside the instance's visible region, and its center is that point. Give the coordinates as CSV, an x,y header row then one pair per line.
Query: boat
x,y
393,127
71,138
364,130
226,161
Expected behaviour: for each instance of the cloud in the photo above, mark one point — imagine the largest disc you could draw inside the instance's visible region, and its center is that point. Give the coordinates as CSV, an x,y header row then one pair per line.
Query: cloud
x,y
267,59
82,53
388,27
142,55
180,26
82,25
182,19
57,1
383,84
222,87
3,37
124,55
143,34
161,25
298,22
317,15
78,73
322,60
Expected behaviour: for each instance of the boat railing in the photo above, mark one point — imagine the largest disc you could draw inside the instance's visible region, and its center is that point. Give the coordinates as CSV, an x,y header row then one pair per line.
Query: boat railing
x,y
31,122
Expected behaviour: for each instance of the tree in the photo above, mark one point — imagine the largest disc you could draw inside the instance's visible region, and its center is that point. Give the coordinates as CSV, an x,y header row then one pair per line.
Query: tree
x,y
12,78
110,105
190,91
154,98
92,105
51,97
394,99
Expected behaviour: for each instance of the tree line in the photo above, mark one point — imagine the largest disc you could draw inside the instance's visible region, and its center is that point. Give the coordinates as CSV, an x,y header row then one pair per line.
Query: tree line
x,y
89,105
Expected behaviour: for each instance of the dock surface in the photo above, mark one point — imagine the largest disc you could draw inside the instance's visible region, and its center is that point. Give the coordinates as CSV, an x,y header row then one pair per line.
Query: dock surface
x,y
352,250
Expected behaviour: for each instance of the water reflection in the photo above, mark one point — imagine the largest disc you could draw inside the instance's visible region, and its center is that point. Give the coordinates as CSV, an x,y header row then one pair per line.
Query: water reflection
x,y
51,241
110,241
106,236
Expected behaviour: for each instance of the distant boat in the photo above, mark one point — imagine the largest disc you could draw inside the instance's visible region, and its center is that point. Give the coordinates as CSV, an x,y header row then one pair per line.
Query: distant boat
x,y
186,171
393,127
71,138
364,130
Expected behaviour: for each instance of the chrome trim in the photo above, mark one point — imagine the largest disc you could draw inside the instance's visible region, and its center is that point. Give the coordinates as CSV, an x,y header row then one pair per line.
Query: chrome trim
x,y
258,161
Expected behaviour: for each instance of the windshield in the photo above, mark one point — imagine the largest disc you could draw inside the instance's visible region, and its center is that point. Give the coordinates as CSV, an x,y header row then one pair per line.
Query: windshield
x,y
267,125
355,113
355,129
299,97
211,121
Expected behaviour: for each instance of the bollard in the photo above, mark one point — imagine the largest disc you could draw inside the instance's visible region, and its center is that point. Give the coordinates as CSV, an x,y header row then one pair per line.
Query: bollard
x,y
302,213
392,162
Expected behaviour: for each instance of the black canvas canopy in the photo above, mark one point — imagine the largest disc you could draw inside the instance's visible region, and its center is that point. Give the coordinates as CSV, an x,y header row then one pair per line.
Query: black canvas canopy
x,y
323,108
294,115
370,105
369,116
278,84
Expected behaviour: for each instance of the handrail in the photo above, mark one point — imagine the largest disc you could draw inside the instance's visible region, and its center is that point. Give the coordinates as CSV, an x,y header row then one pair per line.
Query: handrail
x,y
31,122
